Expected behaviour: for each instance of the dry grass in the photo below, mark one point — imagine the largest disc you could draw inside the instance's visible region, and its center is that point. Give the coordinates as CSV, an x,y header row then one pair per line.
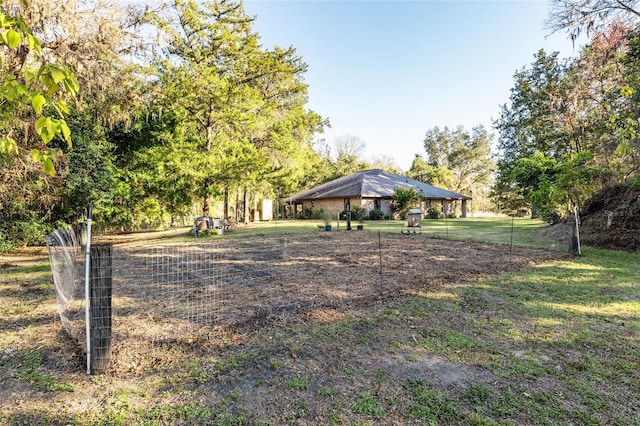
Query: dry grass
x,y
309,332
201,292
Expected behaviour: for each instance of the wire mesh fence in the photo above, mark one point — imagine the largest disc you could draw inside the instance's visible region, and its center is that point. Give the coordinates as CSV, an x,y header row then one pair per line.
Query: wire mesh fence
x,y
170,292
516,231
66,248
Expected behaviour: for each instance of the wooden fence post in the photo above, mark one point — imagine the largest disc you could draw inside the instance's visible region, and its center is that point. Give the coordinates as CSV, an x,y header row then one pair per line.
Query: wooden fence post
x,y
100,307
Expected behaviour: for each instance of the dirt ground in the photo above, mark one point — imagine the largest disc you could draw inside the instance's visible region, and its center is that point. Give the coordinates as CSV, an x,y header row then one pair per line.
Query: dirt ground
x,y
265,280
342,286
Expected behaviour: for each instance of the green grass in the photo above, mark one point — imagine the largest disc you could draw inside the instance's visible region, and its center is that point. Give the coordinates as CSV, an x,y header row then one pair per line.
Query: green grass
x,y
500,230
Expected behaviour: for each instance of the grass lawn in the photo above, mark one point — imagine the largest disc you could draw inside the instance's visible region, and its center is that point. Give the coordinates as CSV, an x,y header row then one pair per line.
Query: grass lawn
x,y
557,343
500,230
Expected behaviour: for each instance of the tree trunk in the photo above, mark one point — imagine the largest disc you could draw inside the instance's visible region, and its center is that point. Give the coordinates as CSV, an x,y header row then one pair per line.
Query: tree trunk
x,y
226,202
209,145
246,206
206,203
237,204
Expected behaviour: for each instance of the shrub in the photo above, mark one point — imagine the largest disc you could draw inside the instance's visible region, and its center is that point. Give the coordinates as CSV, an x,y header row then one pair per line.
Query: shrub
x,y
403,199
357,213
325,217
433,213
553,218
6,245
376,214
306,213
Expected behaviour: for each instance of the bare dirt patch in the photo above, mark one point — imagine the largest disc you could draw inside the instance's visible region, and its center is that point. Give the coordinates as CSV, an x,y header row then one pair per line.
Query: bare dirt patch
x,y
317,325
313,278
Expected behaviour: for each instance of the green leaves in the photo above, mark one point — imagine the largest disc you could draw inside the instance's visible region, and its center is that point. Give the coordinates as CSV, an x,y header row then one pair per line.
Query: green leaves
x,y
37,88
457,159
404,199
48,128
8,146
11,38
38,101
44,157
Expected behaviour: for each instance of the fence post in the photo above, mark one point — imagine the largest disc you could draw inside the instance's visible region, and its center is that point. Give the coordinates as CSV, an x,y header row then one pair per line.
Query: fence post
x,y
574,239
100,307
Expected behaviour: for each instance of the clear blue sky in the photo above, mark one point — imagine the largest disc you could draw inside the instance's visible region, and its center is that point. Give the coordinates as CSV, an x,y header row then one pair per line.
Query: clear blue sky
x,y
388,71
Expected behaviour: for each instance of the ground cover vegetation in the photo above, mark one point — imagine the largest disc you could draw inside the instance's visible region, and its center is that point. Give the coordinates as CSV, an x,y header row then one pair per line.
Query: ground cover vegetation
x,y
553,343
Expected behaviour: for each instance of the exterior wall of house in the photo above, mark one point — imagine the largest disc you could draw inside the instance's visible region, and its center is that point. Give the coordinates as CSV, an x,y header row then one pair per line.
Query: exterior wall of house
x,y
370,204
336,205
332,205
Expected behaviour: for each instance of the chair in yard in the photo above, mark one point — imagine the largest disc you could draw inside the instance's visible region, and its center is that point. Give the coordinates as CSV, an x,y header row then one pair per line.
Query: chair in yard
x,y
202,225
229,223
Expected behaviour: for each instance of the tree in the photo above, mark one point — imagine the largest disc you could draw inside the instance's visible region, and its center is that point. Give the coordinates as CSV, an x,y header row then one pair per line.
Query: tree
x,y
349,152
434,175
589,16
531,123
623,105
461,160
28,93
349,146
386,163
570,127
402,200
239,108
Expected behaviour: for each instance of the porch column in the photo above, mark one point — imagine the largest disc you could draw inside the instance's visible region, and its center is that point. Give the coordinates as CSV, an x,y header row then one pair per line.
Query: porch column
x,y
464,208
446,207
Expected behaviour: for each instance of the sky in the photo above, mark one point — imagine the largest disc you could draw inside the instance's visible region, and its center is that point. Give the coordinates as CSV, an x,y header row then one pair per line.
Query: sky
x,y
389,71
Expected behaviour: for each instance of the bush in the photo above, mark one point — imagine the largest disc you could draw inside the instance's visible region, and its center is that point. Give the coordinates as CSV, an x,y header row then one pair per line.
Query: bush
x,y
24,233
357,213
6,245
325,217
306,213
376,214
433,213
553,218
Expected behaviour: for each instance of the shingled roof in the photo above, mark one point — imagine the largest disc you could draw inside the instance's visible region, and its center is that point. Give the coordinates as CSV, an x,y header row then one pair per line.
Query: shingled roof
x,y
374,184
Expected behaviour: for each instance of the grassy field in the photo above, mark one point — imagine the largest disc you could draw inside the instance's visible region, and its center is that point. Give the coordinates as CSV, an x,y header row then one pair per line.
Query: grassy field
x,y
557,343
500,230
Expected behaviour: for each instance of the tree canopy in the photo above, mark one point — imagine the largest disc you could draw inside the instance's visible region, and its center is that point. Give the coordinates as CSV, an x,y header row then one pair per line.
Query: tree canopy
x,y
177,104
570,127
455,159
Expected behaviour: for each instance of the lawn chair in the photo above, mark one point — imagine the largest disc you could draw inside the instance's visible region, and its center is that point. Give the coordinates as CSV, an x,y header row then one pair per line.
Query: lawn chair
x,y
202,225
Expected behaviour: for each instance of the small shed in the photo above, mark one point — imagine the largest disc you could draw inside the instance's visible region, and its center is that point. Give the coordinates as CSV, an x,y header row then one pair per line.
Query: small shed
x,y
414,216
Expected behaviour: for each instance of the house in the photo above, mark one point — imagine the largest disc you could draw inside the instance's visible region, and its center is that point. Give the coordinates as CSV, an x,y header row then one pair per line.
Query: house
x,y
372,189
